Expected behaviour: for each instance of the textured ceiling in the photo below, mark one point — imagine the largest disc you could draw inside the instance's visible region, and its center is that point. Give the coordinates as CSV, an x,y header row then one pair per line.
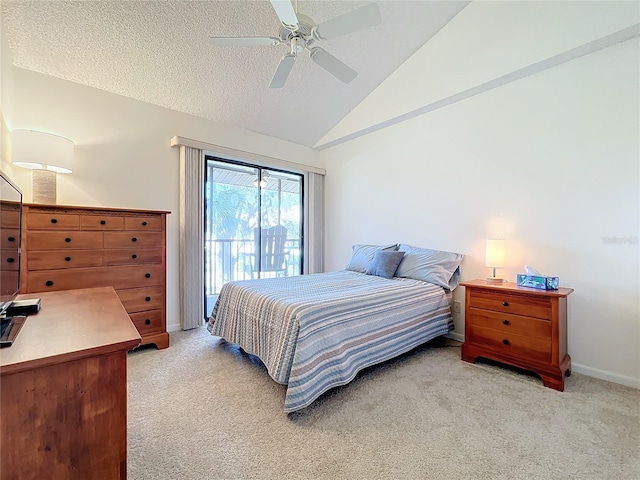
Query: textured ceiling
x,y
158,52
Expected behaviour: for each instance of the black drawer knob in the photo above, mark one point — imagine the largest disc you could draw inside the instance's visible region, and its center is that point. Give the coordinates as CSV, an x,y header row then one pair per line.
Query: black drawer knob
x,y
505,341
134,256
144,224
147,299
147,322
147,275
49,283
67,239
505,304
54,220
11,260
134,239
67,259
12,239
505,322
103,222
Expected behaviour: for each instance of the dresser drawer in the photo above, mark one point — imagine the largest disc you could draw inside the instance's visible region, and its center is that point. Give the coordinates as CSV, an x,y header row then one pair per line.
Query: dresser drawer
x,y
53,221
529,305
9,238
116,277
132,239
101,222
148,322
506,322
9,217
9,259
63,240
132,256
141,299
143,223
510,344
53,259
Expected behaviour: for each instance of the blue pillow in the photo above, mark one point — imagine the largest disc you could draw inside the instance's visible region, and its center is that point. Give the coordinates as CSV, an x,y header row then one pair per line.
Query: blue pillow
x,y
433,266
385,263
363,254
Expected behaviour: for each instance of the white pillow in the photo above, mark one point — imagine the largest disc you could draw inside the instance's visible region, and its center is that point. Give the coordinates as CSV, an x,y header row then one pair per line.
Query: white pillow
x,y
363,254
433,266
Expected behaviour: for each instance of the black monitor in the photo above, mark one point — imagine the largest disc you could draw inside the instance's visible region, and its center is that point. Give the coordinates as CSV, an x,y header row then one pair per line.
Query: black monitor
x,y
10,236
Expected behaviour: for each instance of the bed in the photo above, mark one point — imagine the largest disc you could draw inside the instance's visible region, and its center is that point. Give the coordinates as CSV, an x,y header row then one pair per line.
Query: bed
x,y
315,332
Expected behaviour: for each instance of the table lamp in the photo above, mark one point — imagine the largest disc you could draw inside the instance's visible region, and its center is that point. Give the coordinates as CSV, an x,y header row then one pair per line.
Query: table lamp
x,y
494,258
47,155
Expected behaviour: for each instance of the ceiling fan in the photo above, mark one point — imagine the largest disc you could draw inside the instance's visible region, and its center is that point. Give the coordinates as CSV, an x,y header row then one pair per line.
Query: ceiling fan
x,y
300,33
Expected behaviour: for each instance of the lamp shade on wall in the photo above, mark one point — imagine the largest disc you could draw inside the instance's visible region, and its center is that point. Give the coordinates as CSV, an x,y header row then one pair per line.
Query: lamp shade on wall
x,y
41,151
47,155
494,258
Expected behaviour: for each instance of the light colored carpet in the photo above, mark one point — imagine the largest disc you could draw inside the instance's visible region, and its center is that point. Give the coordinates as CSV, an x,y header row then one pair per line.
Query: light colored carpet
x,y
202,409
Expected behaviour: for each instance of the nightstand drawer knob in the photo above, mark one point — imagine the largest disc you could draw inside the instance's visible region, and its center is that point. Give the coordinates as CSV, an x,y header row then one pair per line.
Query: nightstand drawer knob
x,y
147,299
67,259
103,222
505,304
147,322
67,239
49,283
147,275
505,322
505,341
53,220
12,239
134,239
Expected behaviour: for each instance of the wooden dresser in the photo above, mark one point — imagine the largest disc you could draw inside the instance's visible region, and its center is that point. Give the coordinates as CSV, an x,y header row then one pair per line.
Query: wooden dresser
x,y
66,247
64,389
519,326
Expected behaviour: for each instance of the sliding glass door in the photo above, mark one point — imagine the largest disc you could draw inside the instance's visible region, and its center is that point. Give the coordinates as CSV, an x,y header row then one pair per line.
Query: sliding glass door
x,y
253,224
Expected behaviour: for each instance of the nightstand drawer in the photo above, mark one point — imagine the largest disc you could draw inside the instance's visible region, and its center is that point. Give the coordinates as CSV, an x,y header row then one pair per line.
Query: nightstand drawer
x,y
528,305
511,324
511,344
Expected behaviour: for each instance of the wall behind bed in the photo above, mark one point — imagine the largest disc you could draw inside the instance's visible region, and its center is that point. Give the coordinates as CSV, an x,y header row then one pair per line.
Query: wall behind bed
x,y
550,162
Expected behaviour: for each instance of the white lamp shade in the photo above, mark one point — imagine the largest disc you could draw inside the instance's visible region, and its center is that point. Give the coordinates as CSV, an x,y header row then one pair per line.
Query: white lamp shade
x,y
494,255
41,151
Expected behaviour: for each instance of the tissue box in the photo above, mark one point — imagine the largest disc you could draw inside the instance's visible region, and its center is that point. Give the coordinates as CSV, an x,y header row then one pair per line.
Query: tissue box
x,y
541,283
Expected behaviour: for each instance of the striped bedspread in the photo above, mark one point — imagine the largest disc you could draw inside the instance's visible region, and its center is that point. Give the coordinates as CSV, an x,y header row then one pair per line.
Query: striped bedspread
x,y
315,332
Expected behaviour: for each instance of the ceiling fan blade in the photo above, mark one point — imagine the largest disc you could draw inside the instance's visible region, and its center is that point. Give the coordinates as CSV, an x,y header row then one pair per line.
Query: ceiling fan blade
x,y
286,13
358,19
243,41
332,65
282,72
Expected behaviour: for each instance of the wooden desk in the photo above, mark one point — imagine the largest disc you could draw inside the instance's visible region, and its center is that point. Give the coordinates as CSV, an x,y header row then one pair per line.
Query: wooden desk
x,y
63,389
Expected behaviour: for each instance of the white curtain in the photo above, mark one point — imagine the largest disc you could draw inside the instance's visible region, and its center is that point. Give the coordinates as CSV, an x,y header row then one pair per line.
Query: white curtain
x,y
191,237
314,223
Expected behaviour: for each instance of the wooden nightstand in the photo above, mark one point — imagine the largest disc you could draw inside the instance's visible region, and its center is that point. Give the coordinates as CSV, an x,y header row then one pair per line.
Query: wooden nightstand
x,y
520,326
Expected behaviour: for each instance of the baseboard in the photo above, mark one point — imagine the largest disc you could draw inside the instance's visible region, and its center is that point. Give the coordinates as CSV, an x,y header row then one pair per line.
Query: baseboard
x,y
175,327
455,336
581,369
604,375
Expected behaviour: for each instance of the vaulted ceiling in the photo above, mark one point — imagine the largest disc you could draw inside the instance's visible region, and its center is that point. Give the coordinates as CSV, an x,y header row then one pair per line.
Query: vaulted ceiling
x,y
159,52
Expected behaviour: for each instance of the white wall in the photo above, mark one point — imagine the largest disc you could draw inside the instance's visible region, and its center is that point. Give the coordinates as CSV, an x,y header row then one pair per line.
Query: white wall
x,y
122,155
549,162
